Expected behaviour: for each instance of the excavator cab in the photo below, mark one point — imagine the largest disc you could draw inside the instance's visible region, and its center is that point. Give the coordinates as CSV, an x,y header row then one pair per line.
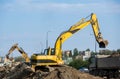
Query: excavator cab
x,y
46,51
49,51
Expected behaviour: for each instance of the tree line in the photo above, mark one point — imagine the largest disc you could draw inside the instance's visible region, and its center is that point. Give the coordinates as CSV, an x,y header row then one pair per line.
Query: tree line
x,y
78,63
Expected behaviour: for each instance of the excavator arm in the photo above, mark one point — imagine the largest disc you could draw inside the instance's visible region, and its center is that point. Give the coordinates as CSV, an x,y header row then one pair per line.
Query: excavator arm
x,y
77,27
23,53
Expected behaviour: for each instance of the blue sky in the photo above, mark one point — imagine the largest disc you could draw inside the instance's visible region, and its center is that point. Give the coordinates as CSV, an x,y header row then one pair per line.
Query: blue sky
x,y
27,22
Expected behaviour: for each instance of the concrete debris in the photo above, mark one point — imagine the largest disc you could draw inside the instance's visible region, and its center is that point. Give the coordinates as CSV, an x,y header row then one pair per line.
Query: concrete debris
x,y
18,72
23,71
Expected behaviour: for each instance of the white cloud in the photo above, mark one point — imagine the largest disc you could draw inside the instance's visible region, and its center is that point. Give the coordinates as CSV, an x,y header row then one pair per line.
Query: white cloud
x,y
29,5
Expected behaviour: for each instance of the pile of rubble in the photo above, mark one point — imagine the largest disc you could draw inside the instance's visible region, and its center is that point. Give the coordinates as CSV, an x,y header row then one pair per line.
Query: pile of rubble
x,y
23,71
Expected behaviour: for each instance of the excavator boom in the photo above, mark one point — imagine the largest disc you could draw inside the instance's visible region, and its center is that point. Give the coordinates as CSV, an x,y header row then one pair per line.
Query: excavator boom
x,y
77,27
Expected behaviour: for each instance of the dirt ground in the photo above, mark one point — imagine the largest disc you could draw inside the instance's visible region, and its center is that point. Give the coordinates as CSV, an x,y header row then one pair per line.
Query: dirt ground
x,y
23,71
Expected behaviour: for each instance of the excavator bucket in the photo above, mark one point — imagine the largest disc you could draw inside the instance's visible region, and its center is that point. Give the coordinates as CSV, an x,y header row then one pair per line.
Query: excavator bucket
x,y
103,44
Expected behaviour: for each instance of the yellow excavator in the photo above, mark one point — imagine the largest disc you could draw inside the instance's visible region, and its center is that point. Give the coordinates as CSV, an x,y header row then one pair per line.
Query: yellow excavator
x,y
23,53
53,56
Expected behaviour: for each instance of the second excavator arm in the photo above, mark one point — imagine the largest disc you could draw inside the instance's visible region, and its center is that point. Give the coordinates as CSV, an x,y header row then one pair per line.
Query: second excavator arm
x,y
23,53
77,27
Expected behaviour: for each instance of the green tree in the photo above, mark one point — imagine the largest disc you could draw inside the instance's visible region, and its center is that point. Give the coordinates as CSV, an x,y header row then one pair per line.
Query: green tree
x,y
70,55
75,52
78,63
88,49
93,53
118,50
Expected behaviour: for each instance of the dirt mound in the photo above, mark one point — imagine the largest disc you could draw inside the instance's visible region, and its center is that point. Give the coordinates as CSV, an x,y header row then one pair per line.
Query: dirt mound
x,y
68,73
22,71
